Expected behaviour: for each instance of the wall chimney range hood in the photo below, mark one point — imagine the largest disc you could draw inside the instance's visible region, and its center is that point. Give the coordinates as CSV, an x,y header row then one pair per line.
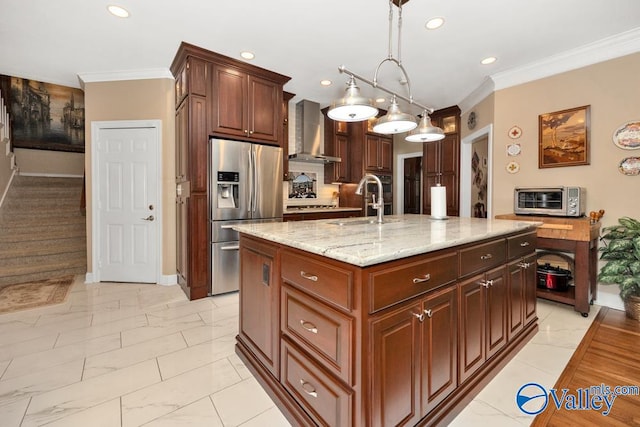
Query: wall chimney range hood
x,y
308,138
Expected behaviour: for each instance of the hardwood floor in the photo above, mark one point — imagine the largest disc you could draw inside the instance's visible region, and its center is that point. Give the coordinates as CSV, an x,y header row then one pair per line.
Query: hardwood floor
x,y
609,354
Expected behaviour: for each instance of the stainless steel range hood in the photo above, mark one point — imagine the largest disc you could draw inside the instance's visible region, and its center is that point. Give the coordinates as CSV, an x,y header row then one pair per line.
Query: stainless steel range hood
x,y
308,138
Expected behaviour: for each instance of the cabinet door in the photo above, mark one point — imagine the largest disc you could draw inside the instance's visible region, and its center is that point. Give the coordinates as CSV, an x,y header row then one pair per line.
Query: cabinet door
x,y
496,310
182,142
229,101
530,284
341,169
516,298
199,259
439,356
371,153
259,307
199,143
396,380
448,154
386,154
182,241
197,76
472,327
264,113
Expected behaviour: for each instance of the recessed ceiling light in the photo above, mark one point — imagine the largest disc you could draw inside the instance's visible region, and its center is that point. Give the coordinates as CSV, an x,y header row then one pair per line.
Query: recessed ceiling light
x,y
489,60
434,23
118,11
247,55
381,100
326,82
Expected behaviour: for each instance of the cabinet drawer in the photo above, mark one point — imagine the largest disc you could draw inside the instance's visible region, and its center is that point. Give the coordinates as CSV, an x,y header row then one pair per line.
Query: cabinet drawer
x,y
482,257
327,401
395,284
328,282
521,245
324,332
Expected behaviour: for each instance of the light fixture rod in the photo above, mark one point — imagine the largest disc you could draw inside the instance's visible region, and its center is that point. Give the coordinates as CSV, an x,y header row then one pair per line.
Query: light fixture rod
x,y
376,85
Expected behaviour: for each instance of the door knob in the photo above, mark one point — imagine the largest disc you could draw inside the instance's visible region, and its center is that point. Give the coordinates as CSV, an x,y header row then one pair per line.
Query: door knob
x,y
149,218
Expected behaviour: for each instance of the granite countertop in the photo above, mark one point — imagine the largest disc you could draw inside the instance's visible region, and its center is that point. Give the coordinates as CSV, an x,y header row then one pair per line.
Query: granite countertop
x,y
302,209
358,242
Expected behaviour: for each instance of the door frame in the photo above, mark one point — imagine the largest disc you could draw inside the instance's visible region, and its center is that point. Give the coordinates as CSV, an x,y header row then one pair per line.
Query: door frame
x,y
96,127
398,209
466,145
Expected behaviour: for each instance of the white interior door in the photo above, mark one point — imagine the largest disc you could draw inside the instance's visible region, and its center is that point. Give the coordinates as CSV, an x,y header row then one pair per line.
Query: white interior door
x,y
127,204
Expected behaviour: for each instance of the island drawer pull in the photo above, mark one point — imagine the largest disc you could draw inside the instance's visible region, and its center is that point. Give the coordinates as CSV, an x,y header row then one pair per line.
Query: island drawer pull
x,y
486,256
524,244
309,326
308,276
422,279
420,316
308,388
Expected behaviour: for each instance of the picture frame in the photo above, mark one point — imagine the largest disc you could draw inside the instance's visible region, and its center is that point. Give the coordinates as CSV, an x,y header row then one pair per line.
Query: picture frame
x,y
563,137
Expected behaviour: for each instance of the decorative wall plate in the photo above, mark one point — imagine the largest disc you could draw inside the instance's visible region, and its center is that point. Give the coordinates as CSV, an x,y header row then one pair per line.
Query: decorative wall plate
x,y
630,166
513,149
627,136
515,132
513,167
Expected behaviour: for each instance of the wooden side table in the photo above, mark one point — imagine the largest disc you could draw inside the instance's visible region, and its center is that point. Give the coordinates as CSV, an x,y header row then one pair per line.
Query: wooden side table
x,y
578,236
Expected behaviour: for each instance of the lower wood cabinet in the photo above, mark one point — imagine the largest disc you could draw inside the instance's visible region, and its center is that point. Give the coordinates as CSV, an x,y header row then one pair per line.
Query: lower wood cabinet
x,y
415,355
333,347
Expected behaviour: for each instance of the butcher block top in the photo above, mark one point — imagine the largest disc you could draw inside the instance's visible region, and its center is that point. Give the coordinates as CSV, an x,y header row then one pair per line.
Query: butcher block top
x,y
358,242
563,228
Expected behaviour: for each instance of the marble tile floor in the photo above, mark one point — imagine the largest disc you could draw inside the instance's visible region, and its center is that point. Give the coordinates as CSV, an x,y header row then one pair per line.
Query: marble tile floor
x,y
117,354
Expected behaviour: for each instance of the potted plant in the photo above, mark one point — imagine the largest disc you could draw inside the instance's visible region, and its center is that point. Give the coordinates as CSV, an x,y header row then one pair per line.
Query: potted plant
x,y
622,255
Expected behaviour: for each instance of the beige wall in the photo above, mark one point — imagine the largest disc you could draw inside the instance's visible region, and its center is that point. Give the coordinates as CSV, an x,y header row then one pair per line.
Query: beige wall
x,y
611,88
484,116
151,99
45,162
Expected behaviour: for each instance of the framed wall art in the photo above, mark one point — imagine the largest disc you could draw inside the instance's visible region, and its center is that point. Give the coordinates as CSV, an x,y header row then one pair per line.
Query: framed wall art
x,y
563,138
46,116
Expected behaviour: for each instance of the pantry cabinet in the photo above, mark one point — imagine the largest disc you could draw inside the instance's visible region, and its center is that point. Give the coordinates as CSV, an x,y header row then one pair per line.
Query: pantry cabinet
x,y
216,96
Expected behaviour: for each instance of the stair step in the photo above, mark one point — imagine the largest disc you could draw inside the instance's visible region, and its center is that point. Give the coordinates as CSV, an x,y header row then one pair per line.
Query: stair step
x,y
41,247
41,275
30,262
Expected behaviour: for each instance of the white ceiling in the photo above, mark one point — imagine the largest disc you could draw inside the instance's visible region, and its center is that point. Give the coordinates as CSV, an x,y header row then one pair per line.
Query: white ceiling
x,y
55,41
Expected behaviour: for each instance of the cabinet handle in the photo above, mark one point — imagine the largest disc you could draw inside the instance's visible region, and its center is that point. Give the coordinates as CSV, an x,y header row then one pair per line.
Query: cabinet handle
x,y
308,276
429,313
308,388
419,316
524,244
422,279
309,326
486,256
524,264
486,283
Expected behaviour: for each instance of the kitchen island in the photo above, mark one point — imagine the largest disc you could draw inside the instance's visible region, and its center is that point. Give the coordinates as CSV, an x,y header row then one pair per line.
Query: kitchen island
x,y
352,323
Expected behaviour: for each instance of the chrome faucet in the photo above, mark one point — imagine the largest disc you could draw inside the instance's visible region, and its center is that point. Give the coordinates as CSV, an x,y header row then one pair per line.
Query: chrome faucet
x,y
379,205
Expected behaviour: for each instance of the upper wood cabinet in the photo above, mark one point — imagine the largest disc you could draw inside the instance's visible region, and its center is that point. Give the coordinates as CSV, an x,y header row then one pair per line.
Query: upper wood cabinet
x,y
336,143
286,97
378,153
244,105
441,160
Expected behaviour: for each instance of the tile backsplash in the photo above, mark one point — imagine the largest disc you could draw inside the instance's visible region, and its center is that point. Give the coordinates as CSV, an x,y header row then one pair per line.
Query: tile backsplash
x,y
324,192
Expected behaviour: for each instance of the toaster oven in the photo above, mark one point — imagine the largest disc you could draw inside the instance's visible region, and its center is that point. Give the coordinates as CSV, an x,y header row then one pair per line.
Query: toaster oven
x,y
552,201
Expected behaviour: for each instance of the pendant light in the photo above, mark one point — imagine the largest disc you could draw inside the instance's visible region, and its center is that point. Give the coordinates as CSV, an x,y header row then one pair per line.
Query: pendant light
x,y
426,131
353,107
395,121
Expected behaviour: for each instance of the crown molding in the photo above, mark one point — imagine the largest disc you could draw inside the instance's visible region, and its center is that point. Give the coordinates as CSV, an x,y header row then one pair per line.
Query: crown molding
x,y
486,88
112,76
602,50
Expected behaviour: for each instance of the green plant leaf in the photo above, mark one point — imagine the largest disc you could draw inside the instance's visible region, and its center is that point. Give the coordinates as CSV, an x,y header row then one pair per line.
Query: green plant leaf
x,y
629,223
611,278
620,245
635,268
615,267
612,255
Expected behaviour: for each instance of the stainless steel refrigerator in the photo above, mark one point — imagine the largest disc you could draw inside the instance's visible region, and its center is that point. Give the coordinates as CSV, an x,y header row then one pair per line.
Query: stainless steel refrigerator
x,y
245,186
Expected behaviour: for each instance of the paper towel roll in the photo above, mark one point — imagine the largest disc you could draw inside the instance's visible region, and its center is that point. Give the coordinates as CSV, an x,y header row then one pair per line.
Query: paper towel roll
x,y
439,202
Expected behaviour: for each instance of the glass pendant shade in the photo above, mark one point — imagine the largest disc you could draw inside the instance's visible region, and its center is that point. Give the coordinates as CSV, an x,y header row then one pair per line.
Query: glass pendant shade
x,y
426,131
353,107
395,121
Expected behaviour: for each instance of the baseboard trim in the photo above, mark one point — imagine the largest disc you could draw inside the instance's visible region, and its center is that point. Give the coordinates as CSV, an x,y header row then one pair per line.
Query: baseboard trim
x,y
6,190
51,175
90,278
168,280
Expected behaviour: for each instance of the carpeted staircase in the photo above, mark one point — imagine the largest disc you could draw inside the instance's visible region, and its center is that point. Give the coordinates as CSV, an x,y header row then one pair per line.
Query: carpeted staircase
x,y
42,230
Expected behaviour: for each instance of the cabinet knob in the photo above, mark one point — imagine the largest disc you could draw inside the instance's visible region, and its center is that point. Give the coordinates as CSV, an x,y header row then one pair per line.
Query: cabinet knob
x,y
422,279
429,313
486,283
486,256
524,244
419,316
308,276
524,264
308,388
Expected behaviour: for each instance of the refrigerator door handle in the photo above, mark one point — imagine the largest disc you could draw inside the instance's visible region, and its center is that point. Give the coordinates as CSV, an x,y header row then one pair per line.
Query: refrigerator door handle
x,y
256,185
251,180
